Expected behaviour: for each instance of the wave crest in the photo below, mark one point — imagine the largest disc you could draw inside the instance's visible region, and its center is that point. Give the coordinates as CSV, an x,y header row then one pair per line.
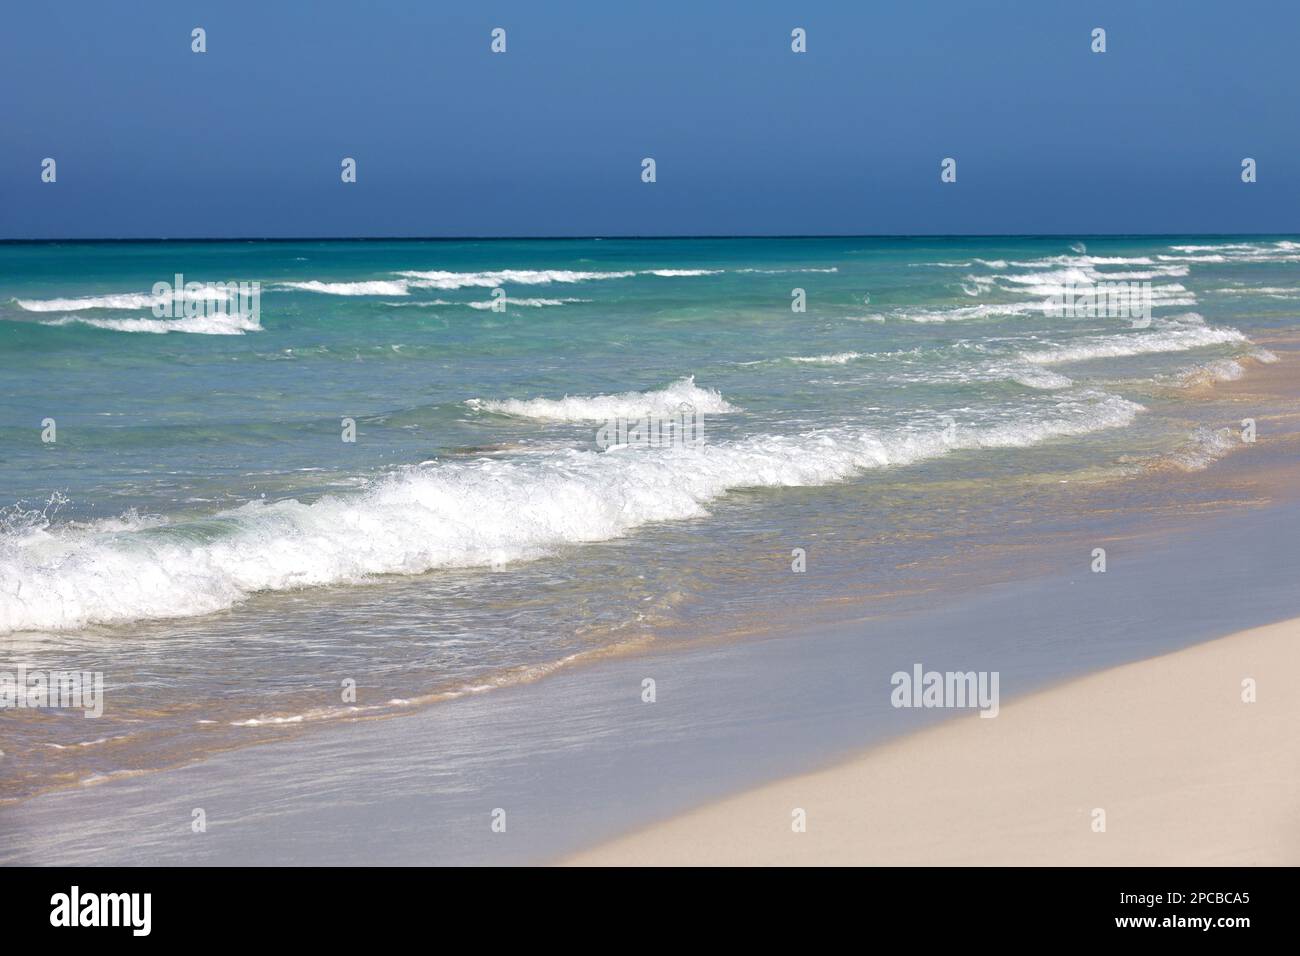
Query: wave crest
x,y
601,408
454,514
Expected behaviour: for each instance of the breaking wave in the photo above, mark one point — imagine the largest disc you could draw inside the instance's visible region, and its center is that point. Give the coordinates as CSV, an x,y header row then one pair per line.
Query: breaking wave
x,y
603,408
453,514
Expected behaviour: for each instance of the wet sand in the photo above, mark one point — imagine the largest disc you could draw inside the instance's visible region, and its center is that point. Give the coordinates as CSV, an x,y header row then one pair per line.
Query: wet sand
x,y
1176,760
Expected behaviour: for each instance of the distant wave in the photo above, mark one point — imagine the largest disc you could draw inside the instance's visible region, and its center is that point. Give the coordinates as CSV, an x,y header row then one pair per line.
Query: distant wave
x,y
670,273
1051,285
837,358
219,324
484,304
400,286
1056,282
1052,276
1081,260
602,408
1222,246
1137,275
1018,371
489,280
789,271
526,303
374,287
443,280
1280,251
1268,292
963,313
454,514
122,301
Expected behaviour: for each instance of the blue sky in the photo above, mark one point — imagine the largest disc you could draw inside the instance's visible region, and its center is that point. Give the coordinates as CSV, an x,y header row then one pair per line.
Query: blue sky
x,y
749,138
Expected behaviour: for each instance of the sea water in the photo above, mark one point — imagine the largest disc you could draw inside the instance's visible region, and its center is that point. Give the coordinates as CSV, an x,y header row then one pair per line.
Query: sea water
x,y
184,510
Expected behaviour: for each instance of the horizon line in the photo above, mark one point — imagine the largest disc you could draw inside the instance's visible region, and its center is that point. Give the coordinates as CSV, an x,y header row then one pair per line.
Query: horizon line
x,y
655,237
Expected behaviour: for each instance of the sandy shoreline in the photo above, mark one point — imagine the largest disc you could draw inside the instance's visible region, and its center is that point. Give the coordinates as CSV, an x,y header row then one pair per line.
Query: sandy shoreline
x,y
580,760
1185,771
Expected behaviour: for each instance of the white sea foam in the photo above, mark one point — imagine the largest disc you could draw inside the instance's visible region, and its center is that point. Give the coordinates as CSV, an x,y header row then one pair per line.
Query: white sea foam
x,y
1204,447
123,301
671,273
602,408
1132,275
1082,260
218,324
1174,335
1054,275
1219,370
838,358
1059,282
1222,246
785,271
1018,371
489,280
525,303
485,304
1268,292
1051,281
1281,251
440,279
1033,376
964,313
374,287
458,514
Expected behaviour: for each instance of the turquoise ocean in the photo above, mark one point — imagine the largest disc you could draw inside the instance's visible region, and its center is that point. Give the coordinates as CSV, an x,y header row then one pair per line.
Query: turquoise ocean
x,y
199,530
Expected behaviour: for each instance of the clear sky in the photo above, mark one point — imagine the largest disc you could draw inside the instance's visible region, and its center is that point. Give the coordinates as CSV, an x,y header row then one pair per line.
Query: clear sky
x,y
547,139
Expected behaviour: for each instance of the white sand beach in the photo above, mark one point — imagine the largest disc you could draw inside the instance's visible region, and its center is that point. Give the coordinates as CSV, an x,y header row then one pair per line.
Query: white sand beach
x,y
1184,769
